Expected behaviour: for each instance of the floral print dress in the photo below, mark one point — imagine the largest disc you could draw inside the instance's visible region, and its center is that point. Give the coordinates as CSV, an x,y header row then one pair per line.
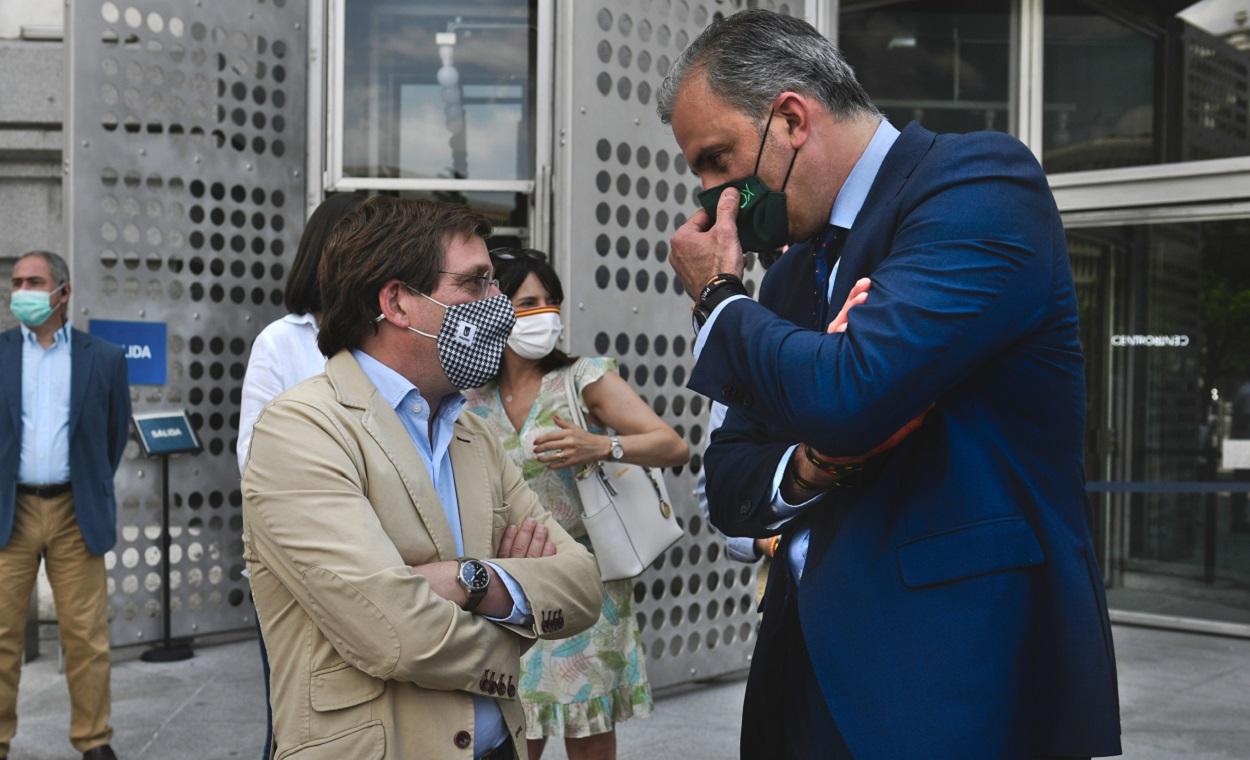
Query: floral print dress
x,y
583,685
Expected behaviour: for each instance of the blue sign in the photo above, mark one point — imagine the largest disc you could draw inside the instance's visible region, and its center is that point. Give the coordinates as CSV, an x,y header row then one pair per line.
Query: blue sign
x,y
166,433
145,345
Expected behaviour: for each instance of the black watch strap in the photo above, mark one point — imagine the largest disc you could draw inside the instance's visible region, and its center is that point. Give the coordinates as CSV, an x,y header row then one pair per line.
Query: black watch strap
x,y
473,600
721,287
474,596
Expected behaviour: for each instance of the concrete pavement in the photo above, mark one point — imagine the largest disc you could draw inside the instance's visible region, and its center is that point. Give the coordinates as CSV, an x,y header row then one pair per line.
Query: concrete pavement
x,y
1183,696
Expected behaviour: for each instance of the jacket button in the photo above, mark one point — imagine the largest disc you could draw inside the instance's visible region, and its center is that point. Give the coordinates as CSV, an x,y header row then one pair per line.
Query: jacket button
x,y
463,740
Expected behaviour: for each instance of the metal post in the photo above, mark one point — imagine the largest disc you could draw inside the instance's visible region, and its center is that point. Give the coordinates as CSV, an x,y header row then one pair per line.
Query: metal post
x,y
169,650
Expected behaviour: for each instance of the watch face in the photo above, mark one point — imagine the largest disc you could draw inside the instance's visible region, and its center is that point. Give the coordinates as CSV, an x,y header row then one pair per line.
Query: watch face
x,y
474,576
617,451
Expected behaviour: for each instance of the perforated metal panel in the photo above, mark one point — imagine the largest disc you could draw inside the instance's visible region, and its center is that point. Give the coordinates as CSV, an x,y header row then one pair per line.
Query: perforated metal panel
x,y
622,189
185,203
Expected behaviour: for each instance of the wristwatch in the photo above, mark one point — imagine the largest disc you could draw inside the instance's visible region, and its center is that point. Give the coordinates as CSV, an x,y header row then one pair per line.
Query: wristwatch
x,y
715,292
474,577
616,451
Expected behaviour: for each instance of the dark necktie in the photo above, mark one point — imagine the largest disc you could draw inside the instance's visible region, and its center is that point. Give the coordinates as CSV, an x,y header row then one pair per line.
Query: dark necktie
x,y
825,253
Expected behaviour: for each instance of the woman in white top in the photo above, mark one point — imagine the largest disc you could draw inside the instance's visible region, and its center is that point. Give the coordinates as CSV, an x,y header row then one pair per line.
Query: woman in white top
x,y
285,353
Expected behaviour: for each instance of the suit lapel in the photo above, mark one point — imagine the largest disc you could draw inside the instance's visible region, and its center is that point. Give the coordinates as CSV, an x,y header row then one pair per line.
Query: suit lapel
x,y
11,356
355,390
473,492
911,146
81,359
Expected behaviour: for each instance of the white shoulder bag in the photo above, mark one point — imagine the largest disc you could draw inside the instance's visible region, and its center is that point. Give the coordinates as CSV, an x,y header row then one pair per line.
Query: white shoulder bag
x,y
625,508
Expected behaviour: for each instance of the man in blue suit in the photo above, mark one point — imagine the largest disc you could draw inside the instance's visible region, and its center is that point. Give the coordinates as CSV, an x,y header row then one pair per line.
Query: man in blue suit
x,y
64,418
936,594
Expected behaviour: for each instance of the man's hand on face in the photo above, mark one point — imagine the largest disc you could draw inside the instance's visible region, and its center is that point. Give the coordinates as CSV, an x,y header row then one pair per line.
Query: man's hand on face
x,y
700,250
528,540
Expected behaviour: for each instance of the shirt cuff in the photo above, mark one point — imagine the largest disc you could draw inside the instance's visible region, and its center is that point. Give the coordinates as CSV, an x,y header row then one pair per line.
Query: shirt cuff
x,y
784,510
741,549
521,613
704,331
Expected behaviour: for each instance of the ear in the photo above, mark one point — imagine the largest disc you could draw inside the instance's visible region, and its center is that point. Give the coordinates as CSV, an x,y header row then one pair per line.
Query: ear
x,y
798,111
390,306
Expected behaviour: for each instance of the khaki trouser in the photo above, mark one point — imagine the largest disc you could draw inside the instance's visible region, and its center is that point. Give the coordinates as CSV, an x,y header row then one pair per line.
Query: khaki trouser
x,y
48,527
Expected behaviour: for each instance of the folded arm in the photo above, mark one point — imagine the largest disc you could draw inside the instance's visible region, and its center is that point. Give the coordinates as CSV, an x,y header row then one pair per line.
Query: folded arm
x,y
968,273
312,526
564,592
741,464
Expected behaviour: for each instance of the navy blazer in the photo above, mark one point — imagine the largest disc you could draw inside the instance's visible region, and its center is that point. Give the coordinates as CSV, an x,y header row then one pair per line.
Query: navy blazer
x,y
99,422
953,607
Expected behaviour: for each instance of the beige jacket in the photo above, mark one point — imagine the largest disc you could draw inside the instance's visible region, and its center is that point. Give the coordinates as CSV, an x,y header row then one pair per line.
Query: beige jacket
x,y
367,662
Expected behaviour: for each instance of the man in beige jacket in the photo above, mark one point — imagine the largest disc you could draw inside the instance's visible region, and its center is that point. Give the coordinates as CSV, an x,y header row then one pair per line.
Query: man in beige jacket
x,y
399,563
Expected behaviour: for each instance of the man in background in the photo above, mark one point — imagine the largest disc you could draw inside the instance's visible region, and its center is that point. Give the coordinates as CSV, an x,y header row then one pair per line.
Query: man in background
x,y
64,418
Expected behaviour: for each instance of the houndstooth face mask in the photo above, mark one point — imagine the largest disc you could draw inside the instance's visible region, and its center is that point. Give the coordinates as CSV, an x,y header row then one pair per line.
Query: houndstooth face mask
x,y
472,338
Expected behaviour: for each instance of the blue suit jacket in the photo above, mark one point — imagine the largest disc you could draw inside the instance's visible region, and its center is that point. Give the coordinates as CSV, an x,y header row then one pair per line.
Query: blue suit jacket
x,y
953,607
99,421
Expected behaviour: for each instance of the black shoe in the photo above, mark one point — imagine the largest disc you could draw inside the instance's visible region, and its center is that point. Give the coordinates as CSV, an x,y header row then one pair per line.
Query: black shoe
x,y
102,752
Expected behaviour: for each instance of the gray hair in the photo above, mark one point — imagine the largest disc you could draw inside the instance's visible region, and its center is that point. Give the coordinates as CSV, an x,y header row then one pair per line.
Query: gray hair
x,y
753,56
60,270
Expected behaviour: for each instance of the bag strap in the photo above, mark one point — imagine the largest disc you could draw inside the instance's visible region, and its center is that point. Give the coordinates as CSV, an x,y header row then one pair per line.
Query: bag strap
x,y
573,398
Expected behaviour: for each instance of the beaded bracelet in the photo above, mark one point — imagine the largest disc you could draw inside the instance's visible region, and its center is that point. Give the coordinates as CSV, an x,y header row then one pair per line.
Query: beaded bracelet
x,y
837,469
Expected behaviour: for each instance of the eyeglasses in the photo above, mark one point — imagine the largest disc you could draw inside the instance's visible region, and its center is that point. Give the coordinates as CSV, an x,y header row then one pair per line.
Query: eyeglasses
x,y
479,284
516,254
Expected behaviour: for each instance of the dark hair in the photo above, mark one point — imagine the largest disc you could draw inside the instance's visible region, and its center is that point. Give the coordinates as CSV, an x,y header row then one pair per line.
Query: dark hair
x,y
56,266
303,292
383,239
512,267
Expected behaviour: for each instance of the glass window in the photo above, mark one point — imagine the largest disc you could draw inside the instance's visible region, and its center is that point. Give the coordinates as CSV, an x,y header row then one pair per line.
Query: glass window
x,y
505,211
439,90
1128,84
1165,321
944,63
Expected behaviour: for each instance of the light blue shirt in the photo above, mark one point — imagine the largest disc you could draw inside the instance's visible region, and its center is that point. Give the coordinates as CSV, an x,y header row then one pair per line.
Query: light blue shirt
x,y
46,380
413,411
846,207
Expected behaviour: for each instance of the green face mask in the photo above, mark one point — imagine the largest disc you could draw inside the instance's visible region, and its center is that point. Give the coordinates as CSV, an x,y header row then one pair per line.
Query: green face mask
x,y
32,307
763,224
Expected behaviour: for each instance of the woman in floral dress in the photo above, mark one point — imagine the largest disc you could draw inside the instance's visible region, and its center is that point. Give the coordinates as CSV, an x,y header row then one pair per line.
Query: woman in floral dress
x,y
576,688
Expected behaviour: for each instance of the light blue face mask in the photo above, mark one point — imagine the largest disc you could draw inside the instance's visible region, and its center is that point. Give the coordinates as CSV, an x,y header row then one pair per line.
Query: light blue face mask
x,y
32,307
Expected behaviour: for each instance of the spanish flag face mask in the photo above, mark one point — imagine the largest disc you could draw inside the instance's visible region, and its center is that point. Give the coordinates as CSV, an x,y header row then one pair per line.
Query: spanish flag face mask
x,y
536,332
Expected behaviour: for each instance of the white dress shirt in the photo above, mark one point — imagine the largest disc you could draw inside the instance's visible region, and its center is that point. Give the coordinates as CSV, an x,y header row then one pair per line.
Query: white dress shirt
x,y
284,355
